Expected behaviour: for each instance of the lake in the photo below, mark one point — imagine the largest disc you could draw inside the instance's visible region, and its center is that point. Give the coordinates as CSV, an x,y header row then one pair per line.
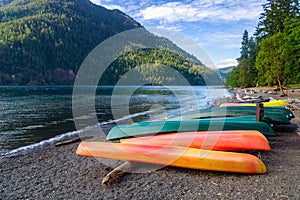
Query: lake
x,y
32,116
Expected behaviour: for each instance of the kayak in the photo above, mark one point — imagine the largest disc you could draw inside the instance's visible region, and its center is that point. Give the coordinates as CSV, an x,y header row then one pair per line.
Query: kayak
x,y
147,128
175,156
235,119
270,103
210,140
270,111
279,115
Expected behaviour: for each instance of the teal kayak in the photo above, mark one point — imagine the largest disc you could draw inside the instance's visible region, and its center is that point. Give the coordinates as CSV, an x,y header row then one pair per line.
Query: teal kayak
x,y
148,128
279,115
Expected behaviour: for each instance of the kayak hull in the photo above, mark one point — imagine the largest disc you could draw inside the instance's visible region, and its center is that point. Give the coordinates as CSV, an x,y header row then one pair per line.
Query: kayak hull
x,y
152,128
210,140
175,156
279,115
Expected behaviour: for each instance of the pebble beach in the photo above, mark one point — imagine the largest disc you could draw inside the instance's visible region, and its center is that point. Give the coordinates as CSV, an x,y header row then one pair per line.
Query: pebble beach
x,y
58,173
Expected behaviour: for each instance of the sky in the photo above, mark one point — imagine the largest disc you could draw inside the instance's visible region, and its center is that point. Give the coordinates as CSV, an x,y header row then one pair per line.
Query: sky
x,y
216,25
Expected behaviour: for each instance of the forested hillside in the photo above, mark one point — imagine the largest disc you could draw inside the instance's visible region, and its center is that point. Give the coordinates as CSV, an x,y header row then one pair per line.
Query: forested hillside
x,y
44,42
148,63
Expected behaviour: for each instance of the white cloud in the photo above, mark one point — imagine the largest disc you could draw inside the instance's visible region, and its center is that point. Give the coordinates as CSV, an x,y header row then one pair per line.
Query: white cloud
x,y
97,2
217,25
207,10
108,5
227,63
114,6
186,10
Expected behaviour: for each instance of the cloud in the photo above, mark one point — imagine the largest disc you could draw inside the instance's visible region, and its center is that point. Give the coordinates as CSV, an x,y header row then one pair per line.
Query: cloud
x,y
108,4
203,10
97,2
217,25
114,6
227,63
186,11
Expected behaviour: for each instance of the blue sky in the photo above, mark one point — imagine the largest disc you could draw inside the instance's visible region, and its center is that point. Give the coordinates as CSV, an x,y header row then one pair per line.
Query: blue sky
x,y
216,25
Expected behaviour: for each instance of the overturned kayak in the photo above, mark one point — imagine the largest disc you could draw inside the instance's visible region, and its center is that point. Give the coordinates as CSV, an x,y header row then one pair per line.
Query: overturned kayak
x,y
279,115
148,128
231,119
210,140
270,103
175,156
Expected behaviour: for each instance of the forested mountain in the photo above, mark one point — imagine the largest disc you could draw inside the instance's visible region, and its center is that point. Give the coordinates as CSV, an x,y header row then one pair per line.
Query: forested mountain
x,y
41,39
44,42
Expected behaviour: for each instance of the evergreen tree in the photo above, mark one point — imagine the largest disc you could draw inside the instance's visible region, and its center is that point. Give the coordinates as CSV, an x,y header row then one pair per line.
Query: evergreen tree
x,y
245,75
245,46
274,15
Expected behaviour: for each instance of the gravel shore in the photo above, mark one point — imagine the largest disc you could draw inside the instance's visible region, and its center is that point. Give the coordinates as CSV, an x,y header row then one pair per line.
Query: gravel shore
x,y
57,173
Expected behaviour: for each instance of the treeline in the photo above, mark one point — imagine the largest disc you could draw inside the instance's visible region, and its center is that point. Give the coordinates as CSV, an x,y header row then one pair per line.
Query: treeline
x,y
272,55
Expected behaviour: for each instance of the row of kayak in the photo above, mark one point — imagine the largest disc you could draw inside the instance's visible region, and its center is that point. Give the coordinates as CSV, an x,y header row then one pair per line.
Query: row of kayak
x,y
207,139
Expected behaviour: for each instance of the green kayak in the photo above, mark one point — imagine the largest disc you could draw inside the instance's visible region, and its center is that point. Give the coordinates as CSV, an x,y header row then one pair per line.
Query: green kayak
x,y
278,115
148,128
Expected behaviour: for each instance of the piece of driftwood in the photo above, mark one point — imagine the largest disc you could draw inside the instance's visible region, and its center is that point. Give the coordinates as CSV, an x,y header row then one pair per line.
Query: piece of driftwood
x,y
117,173
74,140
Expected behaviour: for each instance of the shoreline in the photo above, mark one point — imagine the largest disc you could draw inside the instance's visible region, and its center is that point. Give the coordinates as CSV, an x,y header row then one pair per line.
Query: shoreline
x,y
57,173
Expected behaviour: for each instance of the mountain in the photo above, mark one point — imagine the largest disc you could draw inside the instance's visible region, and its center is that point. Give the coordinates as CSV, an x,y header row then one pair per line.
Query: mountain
x,y
44,42
47,39
224,72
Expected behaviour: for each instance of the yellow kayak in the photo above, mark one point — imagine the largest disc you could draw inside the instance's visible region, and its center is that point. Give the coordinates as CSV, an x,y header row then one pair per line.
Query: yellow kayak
x,y
270,103
175,156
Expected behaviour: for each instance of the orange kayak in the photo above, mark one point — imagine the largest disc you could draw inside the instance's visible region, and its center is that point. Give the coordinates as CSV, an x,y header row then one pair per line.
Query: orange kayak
x,y
210,140
175,156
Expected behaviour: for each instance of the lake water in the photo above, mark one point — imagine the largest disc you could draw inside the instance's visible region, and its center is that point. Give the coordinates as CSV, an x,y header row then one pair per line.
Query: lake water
x,y
33,116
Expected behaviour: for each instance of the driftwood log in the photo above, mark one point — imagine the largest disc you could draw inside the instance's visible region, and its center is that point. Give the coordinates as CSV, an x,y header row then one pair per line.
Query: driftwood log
x,y
74,140
117,173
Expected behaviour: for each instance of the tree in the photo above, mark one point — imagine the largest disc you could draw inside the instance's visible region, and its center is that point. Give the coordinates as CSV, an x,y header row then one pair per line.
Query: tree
x,y
245,46
247,77
269,61
245,74
278,36
290,51
279,55
252,50
274,15
233,78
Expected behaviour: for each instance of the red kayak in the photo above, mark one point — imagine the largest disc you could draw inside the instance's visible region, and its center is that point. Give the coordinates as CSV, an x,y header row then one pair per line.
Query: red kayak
x,y
209,140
